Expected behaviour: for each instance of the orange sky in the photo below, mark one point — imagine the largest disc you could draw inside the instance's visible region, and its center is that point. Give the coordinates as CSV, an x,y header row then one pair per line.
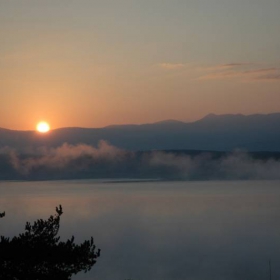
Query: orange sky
x,y
95,63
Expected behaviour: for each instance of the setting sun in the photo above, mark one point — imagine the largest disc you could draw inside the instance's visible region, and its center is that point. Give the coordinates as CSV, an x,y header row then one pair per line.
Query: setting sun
x,y
42,127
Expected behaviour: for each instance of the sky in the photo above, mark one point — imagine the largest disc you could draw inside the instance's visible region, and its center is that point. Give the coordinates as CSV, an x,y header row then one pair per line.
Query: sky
x,y
92,63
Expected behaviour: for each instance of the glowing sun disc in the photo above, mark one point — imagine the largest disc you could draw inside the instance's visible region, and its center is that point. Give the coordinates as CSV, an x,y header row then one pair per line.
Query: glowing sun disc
x,y
43,127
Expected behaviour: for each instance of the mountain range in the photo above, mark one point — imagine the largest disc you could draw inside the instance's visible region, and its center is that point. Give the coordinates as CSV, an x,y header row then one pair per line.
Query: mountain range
x,y
257,132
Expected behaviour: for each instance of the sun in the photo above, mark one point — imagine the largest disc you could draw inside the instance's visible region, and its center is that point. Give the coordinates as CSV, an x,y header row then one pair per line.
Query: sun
x,y
42,127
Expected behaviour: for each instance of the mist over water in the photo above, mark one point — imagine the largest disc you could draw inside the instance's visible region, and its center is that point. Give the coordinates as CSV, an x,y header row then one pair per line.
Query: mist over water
x,y
159,230
107,161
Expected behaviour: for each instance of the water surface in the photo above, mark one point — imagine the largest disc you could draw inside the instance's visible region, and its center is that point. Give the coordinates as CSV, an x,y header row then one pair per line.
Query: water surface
x,y
159,230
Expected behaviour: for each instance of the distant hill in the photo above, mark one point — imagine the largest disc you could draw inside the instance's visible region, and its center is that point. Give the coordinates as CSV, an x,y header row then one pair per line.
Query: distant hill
x,y
213,133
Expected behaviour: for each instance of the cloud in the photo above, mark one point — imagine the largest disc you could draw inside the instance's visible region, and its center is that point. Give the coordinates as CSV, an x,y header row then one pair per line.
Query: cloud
x,y
241,71
66,156
171,66
232,65
234,166
6,150
270,76
107,161
223,67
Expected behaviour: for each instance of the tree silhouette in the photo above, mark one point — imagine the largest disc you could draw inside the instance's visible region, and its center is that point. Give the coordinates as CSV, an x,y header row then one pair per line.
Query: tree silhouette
x,y
37,254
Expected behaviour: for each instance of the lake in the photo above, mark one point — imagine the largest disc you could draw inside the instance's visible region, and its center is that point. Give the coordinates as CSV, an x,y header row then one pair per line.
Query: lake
x,y
159,230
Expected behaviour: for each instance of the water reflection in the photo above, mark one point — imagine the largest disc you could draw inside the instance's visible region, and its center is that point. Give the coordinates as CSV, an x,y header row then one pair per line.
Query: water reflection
x,y
161,230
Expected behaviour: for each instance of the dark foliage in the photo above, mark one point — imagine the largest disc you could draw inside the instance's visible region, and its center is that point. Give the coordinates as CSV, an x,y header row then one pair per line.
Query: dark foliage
x,y
38,254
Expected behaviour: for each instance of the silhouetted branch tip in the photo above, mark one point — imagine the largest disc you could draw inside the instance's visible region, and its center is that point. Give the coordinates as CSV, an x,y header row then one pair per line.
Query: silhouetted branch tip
x,y
59,210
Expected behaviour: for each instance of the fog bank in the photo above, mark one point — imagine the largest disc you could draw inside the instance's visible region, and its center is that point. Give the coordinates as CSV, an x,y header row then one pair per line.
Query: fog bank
x,y
107,161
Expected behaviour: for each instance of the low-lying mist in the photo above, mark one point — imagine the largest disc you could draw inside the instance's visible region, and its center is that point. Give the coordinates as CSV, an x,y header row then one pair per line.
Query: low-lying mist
x,y
106,161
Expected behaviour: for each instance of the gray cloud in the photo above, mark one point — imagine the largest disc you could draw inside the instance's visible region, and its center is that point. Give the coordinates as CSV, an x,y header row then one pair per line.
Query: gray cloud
x,y
243,71
107,161
270,77
171,66
237,165
65,155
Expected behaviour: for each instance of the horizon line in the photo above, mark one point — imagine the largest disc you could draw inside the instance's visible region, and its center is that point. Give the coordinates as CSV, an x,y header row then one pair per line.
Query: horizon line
x,y
149,123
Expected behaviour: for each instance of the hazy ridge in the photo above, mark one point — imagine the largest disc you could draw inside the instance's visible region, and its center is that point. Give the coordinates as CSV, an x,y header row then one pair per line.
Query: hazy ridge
x,y
216,147
213,132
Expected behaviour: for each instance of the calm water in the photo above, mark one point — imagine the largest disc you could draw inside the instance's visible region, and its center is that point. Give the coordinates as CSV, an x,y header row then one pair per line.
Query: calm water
x,y
159,230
